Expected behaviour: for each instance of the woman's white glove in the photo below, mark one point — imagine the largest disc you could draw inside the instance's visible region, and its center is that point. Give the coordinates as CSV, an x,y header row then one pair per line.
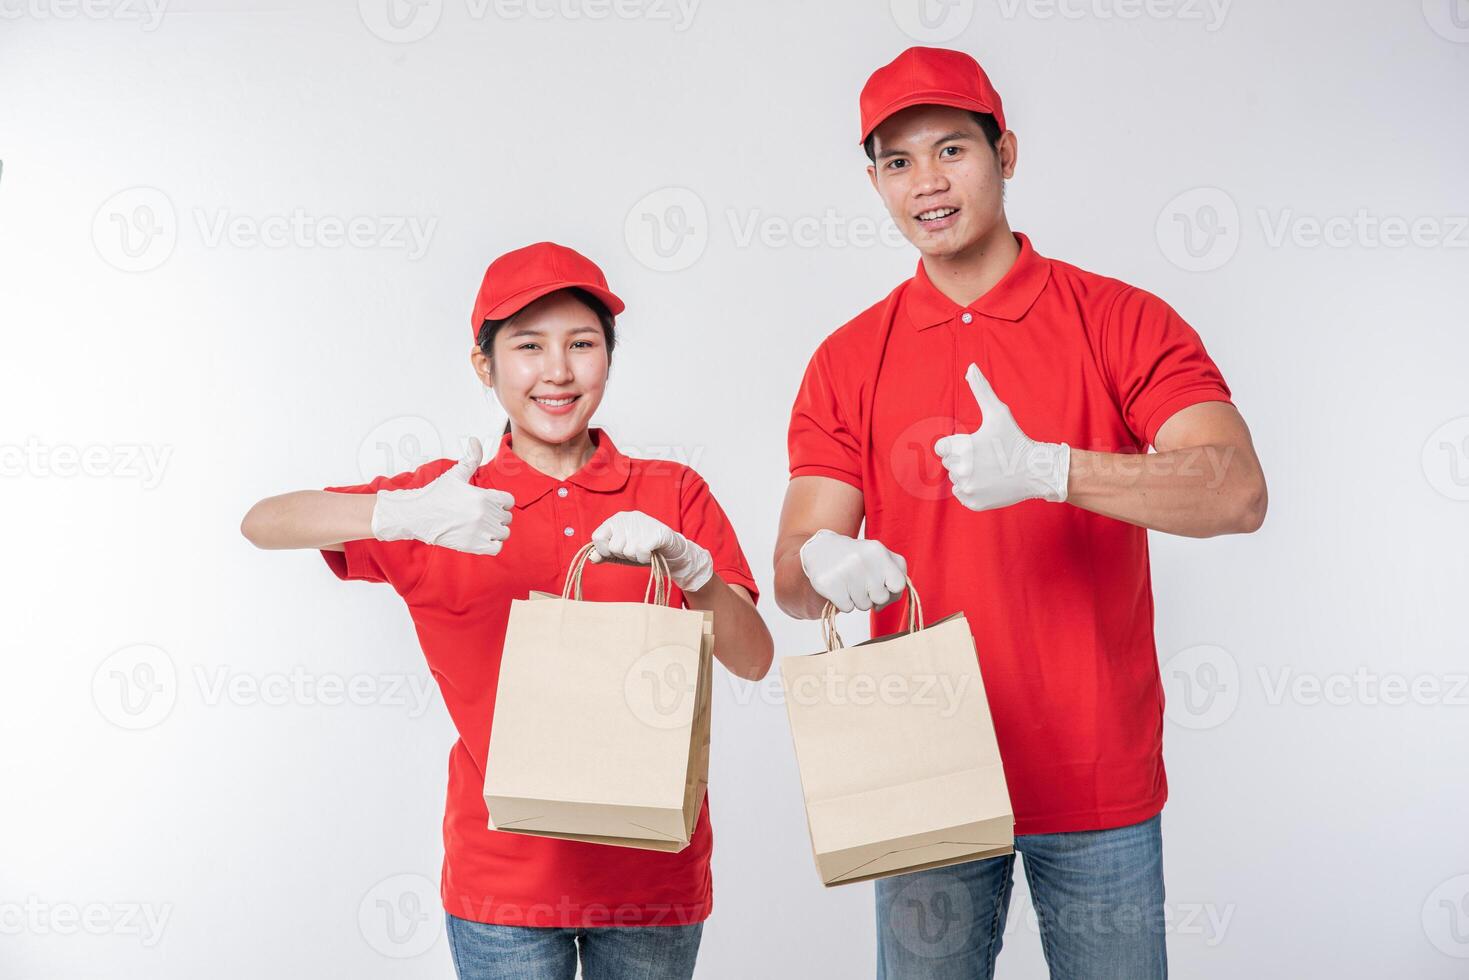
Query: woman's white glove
x,y
632,536
448,512
852,573
998,465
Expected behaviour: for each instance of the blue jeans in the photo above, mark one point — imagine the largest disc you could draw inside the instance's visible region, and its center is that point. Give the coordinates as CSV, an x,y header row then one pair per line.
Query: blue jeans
x,y
489,952
1098,898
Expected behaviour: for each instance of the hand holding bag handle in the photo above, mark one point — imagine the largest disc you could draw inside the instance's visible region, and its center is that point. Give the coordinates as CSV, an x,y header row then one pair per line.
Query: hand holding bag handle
x,y
834,639
658,580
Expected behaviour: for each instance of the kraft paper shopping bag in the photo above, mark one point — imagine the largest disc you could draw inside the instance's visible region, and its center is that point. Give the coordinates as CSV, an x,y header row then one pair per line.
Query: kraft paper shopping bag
x,y
601,725
897,753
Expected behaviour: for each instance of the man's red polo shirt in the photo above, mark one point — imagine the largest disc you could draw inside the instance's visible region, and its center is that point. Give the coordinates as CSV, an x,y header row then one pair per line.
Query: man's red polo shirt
x,y
460,604
1059,598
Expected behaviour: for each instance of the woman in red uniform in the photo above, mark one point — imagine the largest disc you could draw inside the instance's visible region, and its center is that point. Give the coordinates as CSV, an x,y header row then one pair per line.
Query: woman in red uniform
x,y
459,540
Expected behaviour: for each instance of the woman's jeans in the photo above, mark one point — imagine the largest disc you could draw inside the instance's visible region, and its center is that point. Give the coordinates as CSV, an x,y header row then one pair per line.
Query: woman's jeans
x,y
489,952
1098,898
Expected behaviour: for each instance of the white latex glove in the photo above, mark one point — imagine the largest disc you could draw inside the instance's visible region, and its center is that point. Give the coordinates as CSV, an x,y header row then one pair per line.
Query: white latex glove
x,y
632,536
852,573
448,512
998,465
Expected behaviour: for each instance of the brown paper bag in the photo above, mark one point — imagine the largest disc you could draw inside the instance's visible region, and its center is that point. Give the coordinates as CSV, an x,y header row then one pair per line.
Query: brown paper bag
x,y
897,752
601,727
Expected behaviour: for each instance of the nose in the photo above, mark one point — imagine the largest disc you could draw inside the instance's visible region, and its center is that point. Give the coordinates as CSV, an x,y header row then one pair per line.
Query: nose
x,y
556,368
928,179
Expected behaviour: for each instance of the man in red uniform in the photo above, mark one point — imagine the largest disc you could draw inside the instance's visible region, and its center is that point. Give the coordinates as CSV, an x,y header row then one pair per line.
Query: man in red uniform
x,y
989,422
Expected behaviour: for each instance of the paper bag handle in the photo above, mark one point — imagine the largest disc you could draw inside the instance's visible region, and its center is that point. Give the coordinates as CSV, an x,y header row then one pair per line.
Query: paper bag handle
x,y
658,579
833,639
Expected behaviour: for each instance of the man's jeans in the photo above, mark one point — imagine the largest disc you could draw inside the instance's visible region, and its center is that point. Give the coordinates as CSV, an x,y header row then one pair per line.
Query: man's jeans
x,y
490,952
1098,898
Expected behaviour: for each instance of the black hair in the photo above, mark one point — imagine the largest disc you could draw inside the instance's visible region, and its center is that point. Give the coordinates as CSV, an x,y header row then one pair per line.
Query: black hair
x,y
487,330
987,123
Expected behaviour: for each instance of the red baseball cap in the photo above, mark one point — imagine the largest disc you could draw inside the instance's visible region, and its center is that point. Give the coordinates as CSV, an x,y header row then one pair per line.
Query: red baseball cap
x,y
928,76
519,278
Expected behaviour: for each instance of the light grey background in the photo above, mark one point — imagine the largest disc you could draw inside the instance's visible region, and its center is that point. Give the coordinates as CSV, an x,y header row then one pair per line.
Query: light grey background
x,y
183,791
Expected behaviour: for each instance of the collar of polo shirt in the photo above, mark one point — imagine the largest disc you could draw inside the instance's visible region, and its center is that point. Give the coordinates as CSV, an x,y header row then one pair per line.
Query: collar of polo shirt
x,y
1009,299
605,472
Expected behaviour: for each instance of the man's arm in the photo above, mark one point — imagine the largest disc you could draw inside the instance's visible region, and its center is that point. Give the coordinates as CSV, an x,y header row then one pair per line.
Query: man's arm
x,y
1203,480
812,503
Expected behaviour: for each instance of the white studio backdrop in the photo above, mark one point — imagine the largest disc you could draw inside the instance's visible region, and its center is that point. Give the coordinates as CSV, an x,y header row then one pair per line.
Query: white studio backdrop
x,y
239,244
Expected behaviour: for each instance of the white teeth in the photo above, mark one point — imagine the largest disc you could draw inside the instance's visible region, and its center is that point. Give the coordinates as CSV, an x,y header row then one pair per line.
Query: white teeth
x,y
555,402
936,213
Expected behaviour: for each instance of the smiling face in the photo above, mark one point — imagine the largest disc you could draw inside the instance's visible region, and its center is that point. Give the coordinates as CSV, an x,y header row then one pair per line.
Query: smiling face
x,y
549,368
940,179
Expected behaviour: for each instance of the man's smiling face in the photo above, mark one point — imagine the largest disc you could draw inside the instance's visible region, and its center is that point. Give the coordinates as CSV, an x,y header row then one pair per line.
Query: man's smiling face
x,y
940,179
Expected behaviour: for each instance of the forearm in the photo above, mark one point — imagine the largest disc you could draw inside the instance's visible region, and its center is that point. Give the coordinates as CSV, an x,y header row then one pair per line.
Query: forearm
x,y
793,592
309,519
1198,492
741,639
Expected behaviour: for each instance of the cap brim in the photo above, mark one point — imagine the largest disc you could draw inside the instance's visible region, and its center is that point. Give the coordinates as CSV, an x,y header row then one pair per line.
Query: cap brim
x,y
950,99
519,301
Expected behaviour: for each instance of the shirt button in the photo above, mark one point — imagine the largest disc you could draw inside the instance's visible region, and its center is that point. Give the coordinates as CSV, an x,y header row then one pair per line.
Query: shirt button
x,y
967,318
561,491
567,531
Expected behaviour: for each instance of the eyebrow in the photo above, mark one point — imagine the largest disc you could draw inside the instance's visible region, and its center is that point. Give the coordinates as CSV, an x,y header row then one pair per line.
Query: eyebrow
x,y
536,332
946,138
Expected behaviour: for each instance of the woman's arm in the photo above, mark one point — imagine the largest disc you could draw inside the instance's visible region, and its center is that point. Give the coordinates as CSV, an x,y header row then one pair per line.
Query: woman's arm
x,y
449,512
309,519
741,640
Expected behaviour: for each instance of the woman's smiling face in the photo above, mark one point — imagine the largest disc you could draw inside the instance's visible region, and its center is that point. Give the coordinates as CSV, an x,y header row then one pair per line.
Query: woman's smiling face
x,y
549,367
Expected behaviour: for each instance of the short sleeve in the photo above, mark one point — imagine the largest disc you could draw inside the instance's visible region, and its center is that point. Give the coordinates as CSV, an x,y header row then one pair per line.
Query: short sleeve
x,y
704,523
1156,362
399,563
822,440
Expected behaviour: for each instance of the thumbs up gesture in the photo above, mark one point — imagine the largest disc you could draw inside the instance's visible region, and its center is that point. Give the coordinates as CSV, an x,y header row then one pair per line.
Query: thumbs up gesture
x,y
998,465
449,512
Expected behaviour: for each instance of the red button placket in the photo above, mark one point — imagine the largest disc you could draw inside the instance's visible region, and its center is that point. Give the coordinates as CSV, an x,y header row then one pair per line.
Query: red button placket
x,y
568,528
